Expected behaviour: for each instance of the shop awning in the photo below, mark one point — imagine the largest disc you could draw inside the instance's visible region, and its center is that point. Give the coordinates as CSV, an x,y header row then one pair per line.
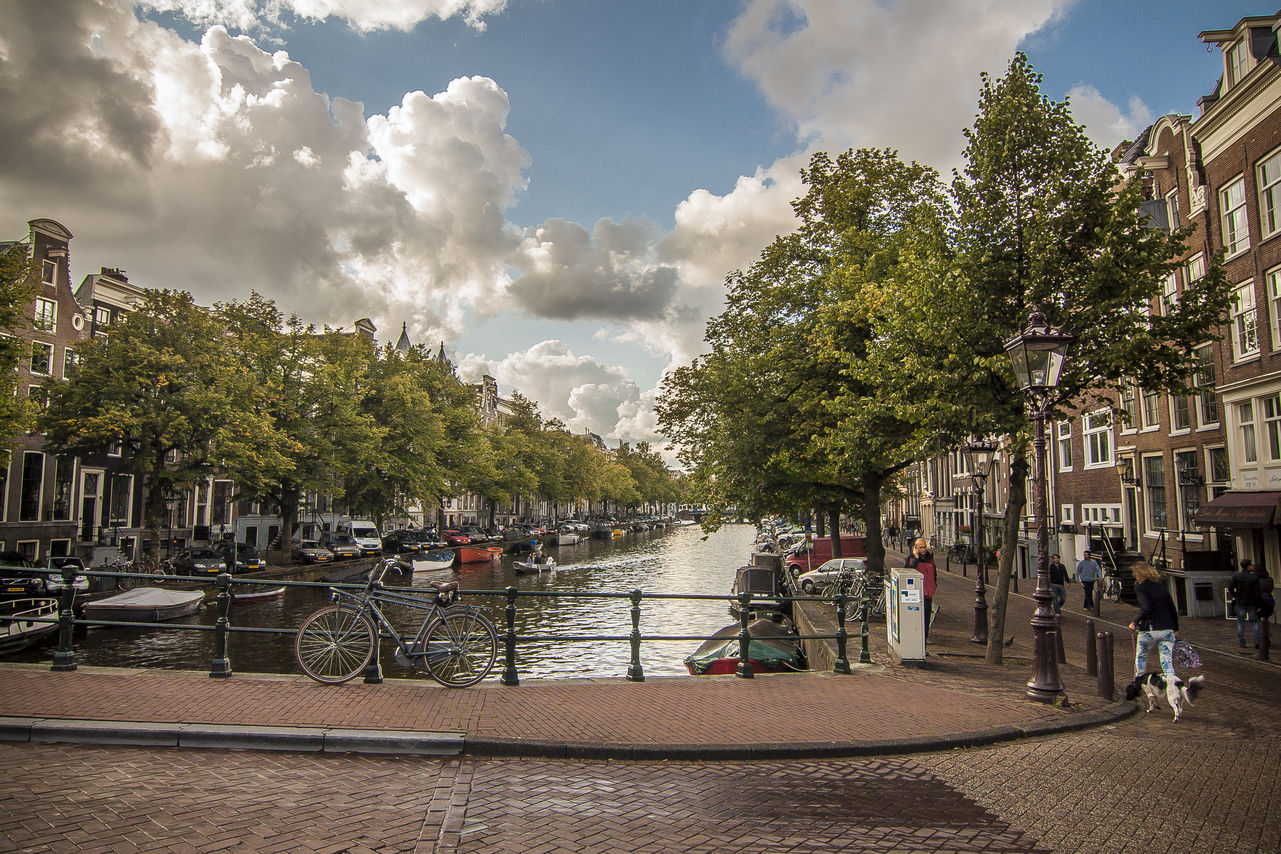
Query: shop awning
x,y
1240,510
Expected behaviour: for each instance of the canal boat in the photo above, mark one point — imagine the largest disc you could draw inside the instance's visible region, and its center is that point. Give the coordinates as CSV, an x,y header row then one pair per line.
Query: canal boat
x,y
773,648
145,605
568,538
26,620
434,559
479,554
534,564
253,593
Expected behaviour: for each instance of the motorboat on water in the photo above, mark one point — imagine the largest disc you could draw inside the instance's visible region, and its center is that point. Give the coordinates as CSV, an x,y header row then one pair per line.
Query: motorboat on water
x,y
25,621
254,593
479,554
534,564
145,605
774,647
433,559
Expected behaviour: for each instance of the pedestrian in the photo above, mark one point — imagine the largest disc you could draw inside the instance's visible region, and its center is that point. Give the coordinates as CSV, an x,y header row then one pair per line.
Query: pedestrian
x,y
922,560
1267,603
1088,572
1058,582
1156,623
1243,591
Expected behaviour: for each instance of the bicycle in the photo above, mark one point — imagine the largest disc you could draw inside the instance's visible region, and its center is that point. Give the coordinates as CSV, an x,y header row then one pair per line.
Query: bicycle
x,y
136,569
853,585
455,644
1110,586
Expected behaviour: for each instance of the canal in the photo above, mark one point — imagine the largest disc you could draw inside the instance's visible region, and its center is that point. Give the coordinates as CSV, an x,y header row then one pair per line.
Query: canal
x,y
670,560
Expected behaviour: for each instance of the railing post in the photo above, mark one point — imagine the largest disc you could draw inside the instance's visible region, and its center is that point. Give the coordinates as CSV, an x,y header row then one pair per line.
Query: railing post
x,y
221,667
1106,682
864,656
842,664
1091,650
509,641
744,639
634,670
65,657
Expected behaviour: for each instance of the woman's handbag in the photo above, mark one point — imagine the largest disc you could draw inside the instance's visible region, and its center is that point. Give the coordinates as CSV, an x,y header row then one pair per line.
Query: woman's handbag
x,y
1185,655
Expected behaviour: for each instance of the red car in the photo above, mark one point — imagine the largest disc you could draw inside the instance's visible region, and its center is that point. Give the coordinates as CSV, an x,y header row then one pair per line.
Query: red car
x,y
455,537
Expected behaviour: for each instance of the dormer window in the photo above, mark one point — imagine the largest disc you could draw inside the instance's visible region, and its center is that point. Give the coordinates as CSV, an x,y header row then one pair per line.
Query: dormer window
x,y
1238,59
48,269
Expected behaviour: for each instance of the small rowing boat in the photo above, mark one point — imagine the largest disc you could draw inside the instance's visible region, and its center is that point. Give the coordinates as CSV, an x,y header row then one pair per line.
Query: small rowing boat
x,y
145,605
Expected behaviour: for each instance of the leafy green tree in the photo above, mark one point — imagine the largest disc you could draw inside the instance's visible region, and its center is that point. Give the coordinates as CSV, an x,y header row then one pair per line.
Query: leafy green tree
x,y
18,286
1043,222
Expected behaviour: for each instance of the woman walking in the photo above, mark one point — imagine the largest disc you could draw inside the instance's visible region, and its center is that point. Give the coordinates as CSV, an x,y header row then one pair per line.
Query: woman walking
x,y
1156,622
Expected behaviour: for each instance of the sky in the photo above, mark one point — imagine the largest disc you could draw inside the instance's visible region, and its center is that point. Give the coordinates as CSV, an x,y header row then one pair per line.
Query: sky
x,y
553,189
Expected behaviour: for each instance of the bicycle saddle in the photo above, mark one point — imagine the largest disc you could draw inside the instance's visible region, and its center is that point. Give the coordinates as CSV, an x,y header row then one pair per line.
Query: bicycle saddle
x,y
444,586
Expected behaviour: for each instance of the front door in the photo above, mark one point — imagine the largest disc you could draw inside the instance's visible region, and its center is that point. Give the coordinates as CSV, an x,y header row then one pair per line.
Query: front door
x,y
1131,519
90,503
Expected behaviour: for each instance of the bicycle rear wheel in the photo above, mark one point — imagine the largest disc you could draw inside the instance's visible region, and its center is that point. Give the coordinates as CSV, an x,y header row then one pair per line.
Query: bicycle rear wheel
x,y
335,644
1114,591
461,646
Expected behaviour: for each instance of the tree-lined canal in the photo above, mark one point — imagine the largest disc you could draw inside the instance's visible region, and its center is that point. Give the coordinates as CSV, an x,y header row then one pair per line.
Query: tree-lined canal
x,y
671,560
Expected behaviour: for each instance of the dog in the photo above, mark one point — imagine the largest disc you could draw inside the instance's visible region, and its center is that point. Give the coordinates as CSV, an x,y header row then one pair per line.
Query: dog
x,y
1177,693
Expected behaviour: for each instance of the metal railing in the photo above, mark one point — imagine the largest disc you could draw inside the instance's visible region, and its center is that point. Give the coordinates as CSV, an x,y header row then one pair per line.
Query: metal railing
x,y
747,605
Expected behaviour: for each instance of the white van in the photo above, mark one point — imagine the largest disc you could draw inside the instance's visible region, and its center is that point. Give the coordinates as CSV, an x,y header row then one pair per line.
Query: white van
x,y
365,533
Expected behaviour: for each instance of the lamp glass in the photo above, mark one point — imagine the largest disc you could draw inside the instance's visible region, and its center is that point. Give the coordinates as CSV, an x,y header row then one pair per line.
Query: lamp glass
x,y
1038,354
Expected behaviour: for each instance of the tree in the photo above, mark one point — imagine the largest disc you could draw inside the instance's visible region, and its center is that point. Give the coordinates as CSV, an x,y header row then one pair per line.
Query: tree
x,y
1044,221
18,286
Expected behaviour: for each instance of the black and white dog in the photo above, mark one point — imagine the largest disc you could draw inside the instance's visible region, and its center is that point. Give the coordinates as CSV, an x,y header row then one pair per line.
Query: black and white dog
x,y
1177,693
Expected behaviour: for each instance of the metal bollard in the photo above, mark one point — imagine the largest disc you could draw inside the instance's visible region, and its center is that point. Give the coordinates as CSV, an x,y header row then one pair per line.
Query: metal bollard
x,y
1265,638
509,641
1106,681
744,639
842,663
865,657
634,670
221,667
374,669
1091,650
65,658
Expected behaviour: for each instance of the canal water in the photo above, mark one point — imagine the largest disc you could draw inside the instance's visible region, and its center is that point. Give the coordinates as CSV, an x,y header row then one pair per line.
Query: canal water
x,y
679,560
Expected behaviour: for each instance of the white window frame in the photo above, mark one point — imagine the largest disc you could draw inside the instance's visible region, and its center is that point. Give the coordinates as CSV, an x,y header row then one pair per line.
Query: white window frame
x,y
1097,438
1210,452
1234,222
1236,59
50,349
1270,410
1206,385
1175,427
1246,434
1101,514
1130,403
69,361
1245,322
1170,292
1172,208
102,316
49,272
1149,409
1149,520
1063,435
1194,269
45,318
1268,175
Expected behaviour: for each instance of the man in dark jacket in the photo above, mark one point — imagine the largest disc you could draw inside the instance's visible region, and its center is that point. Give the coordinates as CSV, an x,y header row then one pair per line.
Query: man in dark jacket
x,y
1243,590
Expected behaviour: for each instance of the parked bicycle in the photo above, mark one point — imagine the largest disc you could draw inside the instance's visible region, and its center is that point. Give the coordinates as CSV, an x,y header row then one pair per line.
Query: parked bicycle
x,y
853,585
137,570
455,644
1110,586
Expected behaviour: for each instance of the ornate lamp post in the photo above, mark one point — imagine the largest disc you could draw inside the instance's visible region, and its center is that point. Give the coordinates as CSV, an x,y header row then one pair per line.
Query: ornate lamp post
x,y
1038,353
978,454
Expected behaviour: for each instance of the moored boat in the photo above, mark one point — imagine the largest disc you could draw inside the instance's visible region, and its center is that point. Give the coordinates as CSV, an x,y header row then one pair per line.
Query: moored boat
x,y
534,565
145,605
434,559
479,554
773,648
26,620
568,538
255,592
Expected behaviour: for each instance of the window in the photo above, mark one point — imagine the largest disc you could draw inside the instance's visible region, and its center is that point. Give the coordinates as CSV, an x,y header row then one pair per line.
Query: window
x,y
1188,471
41,358
1172,209
1270,195
1180,413
1151,409
1238,62
1272,426
1098,438
1245,334
1170,292
1064,429
1245,416
32,482
1219,472
120,500
1236,231
1131,409
1154,492
1195,268
64,470
101,318
46,317
39,395
48,270
69,362
1207,403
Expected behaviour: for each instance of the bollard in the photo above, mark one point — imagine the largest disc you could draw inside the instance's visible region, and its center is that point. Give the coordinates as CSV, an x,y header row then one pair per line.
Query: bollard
x,y
1098,597
374,669
1265,638
865,657
1106,682
65,658
1091,651
634,670
842,664
221,667
744,639
509,641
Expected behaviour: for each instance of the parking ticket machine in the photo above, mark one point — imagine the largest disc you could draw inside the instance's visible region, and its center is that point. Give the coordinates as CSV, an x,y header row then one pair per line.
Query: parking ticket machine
x,y
905,614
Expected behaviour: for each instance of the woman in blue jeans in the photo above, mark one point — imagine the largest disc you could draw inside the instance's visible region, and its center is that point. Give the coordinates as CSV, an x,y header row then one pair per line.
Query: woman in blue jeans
x,y
1156,622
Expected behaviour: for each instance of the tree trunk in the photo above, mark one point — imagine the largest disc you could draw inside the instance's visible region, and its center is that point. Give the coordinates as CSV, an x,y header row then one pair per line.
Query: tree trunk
x,y
820,523
289,499
1009,545
834,525
872,530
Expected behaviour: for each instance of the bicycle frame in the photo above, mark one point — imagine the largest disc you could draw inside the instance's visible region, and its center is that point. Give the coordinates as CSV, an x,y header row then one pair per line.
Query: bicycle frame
x,y
377,594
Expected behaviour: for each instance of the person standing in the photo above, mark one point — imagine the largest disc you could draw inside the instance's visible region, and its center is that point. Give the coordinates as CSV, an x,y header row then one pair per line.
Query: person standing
x,y
1243,590
922,560
1058,582
1088,572
1156,623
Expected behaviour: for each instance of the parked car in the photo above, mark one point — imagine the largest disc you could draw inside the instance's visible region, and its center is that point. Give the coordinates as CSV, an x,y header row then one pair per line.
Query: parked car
x,y
342,546
311,551
199,560
54,580
365,533
477,533
404,541
816,579
19,577
246,557
455,537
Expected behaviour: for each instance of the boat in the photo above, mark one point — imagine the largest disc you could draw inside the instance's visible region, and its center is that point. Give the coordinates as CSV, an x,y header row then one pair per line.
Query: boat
x,y
479,554
534,565
760,581
434,559
145,605
26,620
773,648
568,538
255,592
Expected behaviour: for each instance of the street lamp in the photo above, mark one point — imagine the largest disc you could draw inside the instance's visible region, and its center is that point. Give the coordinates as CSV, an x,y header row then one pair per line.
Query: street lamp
x,y
1038,353
978,454
1125,468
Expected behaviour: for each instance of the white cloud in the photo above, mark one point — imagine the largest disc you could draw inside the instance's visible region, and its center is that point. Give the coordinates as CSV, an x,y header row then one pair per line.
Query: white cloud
x,y
364,15
1105,123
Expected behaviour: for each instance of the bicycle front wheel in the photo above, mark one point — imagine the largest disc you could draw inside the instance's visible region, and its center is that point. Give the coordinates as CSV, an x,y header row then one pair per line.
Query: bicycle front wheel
x,y
335,644
460,647
1114,592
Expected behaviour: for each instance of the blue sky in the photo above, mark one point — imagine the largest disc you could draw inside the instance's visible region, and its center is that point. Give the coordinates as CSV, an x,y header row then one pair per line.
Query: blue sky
x,y
554,188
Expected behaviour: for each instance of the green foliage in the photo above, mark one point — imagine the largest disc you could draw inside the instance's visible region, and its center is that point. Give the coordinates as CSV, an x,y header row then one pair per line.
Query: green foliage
x,y
18,285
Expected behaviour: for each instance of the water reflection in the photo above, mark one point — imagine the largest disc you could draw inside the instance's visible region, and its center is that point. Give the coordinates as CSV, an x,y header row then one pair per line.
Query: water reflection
x,y
672,560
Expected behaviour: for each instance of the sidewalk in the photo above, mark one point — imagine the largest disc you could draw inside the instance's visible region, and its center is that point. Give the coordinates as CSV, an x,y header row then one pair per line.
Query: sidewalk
x,y
955,700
